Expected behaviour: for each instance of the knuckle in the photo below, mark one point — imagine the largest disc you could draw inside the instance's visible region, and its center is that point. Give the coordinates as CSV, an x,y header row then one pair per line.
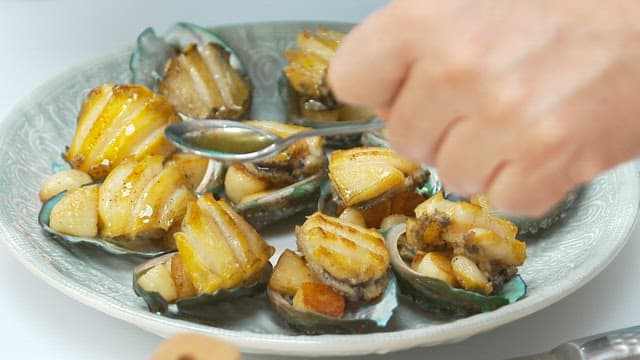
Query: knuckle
x,y
528,198
450,72
406,142
550,136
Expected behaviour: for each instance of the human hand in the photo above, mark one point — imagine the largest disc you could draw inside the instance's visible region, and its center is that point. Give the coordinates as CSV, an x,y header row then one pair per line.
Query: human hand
x,y
519,100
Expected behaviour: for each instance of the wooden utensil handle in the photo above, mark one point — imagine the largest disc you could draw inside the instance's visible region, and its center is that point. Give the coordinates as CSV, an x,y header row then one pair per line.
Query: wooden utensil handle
x,y
195,347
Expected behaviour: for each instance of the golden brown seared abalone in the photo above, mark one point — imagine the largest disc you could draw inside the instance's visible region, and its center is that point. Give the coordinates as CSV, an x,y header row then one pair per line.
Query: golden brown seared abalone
x,y
201,83
305,158
292,278
220,257
362,174
309,61
375,182
313,301
134,211
481,249
219,249
306,73
143,199
119,121
353,260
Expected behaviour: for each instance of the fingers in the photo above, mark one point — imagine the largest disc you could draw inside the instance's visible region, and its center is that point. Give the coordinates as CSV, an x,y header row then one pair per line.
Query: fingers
x,y
524,166
427,106
519,189
473,152
475,102
372,61
539,177
556,155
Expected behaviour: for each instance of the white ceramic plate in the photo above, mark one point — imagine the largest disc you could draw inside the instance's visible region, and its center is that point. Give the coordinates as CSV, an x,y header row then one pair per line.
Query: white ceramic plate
x,y
35,133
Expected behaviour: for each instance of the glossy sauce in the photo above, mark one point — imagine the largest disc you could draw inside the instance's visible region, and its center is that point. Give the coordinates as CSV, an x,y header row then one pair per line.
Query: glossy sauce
x,y
232,141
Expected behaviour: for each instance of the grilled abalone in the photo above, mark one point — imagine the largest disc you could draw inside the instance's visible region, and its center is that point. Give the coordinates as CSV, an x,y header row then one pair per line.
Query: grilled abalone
x,y
220,256
339,283
134,210
201,83
306,72
301,160
116,122
220,250
195,69
364,175
202,174
314,307
373,181
269,190
309,61
430,187
483,249
305,91
351,259
456,258
142,199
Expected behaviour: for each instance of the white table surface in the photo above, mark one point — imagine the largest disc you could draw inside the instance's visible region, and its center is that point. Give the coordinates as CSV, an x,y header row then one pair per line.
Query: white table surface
x,y
40,39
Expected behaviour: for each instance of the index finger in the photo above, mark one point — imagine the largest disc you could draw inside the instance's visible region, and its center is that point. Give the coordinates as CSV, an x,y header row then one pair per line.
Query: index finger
x,y
373,60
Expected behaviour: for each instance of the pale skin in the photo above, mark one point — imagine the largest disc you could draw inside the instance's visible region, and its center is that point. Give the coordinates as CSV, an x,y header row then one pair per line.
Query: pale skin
x,y
519,100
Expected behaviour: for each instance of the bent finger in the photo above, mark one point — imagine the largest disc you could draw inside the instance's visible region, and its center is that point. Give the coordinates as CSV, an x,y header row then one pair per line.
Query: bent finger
x,y
473,152
372,61
427,106
521,190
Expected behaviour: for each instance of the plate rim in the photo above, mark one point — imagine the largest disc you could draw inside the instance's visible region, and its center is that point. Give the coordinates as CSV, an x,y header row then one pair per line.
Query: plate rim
x,y
303,345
